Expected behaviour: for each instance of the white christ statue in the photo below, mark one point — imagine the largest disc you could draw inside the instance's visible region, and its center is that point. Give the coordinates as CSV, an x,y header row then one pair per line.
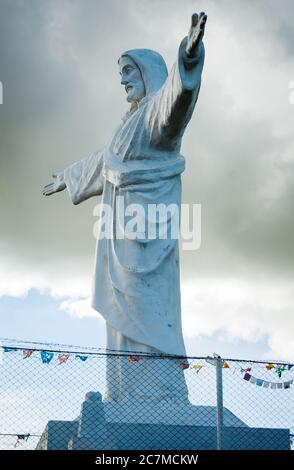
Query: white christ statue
x,y
137,283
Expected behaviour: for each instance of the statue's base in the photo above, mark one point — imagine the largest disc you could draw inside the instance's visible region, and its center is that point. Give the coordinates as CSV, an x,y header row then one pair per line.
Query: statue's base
x,y
155,426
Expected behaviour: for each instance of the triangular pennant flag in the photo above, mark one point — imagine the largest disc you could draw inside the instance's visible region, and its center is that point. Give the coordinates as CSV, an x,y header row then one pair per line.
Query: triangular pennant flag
x,y
27,353
18,442
273,385
247,376
259,382
133,359
252,379
46,356
197,367
62,358
225,365
7,349
249,369
211,361
82,358
290,366
184,365
279,371
270,366
266,384
21,438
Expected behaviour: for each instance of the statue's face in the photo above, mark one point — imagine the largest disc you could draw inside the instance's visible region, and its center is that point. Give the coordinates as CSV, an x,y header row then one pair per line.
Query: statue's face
x,y
132,79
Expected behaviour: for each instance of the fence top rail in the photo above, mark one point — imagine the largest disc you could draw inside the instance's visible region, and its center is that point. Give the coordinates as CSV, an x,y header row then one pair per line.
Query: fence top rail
x,y
14,344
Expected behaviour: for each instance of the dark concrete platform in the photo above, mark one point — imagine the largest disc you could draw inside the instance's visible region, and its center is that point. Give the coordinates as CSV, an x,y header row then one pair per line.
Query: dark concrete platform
x,y
114,427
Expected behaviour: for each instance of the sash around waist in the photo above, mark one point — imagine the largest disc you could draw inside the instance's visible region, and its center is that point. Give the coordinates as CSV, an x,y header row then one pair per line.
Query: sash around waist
x,y
122,174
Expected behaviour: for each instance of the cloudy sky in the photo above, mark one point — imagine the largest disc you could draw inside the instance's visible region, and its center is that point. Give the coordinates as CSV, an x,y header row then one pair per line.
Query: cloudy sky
x,y
63,98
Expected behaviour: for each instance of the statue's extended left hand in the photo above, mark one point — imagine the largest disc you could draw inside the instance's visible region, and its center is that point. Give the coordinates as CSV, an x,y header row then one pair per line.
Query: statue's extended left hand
x,y
55,186
196,33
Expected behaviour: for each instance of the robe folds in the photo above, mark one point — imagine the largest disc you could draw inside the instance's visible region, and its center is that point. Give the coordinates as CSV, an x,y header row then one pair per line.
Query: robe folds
x,y
136,284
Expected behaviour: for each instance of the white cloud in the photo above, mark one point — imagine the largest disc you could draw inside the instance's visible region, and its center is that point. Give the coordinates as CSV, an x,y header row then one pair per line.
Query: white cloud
x,y
248,310
16,280
244,310
79,308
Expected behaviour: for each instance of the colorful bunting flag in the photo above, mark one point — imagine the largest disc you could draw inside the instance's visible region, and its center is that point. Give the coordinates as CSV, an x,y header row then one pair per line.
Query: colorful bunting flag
x,y
27,353
266,384
46,356
21,438
133,359
82,358
184,365
279,371
213,361
249,369
6,349
247,376
287,384
280,368
62,358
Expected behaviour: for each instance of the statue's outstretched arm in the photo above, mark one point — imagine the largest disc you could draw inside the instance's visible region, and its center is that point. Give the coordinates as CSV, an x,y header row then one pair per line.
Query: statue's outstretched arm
x,y
82,179
172,107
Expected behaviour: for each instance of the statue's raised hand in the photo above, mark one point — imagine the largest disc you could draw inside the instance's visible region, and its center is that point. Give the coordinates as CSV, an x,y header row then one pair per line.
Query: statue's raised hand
x,y
196,33
56,185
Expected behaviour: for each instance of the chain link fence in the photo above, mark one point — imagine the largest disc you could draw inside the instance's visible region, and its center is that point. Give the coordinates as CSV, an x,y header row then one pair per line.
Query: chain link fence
x,y
65,398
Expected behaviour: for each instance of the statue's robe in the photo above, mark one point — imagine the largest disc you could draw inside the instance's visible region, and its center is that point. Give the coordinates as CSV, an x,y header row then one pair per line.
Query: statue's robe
x,y
137,283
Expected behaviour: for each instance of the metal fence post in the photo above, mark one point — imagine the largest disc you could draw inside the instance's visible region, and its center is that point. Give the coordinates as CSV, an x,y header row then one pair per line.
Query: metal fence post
x,y
219,397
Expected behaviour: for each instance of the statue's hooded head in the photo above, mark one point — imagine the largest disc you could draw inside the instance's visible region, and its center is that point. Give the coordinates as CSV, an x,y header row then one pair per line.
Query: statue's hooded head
x,y
143,72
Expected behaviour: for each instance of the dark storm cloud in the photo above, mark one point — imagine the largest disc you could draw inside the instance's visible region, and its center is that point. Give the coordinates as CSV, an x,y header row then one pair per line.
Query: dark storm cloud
x,y
62,100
